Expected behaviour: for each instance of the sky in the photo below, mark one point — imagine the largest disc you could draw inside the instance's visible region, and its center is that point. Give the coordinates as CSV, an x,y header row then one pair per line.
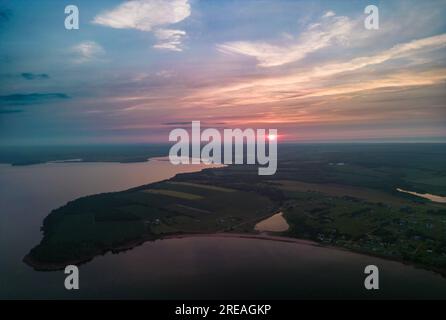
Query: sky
x,y
135,70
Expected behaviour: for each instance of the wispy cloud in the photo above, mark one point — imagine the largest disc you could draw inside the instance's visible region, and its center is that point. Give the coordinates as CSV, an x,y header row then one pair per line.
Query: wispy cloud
x,y
328,31
87,51
169,39
30,98
34,76
150,16
323,80
10,111
399,80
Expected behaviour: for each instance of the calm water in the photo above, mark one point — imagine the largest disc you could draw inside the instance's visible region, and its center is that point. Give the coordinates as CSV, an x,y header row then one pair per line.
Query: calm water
x,y
194,267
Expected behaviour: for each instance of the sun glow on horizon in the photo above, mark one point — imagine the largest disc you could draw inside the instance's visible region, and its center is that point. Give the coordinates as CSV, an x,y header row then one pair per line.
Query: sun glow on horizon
x,y
272,137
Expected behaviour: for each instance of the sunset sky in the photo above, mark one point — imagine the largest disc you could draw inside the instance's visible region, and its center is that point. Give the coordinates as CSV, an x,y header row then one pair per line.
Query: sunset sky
x,y
137,69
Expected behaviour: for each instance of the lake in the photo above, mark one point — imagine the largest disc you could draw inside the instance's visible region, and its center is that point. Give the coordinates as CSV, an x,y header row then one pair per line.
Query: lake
x,y
211,266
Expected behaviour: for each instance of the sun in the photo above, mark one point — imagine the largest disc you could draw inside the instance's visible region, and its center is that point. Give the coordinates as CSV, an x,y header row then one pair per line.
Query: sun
x,y
272,137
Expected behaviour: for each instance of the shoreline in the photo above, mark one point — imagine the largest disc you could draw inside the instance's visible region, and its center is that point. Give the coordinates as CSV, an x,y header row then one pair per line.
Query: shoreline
x,y
302,241
255,235
81,161
42,266
55,266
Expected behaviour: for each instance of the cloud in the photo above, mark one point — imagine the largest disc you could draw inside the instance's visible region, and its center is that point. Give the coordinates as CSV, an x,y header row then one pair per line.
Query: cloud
x,y
166,74
169,39
331,78
30,98
5,15
407,50
329,14
327,32
87,51
144,15
149,16
177,123
34,76
399,80
10,111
